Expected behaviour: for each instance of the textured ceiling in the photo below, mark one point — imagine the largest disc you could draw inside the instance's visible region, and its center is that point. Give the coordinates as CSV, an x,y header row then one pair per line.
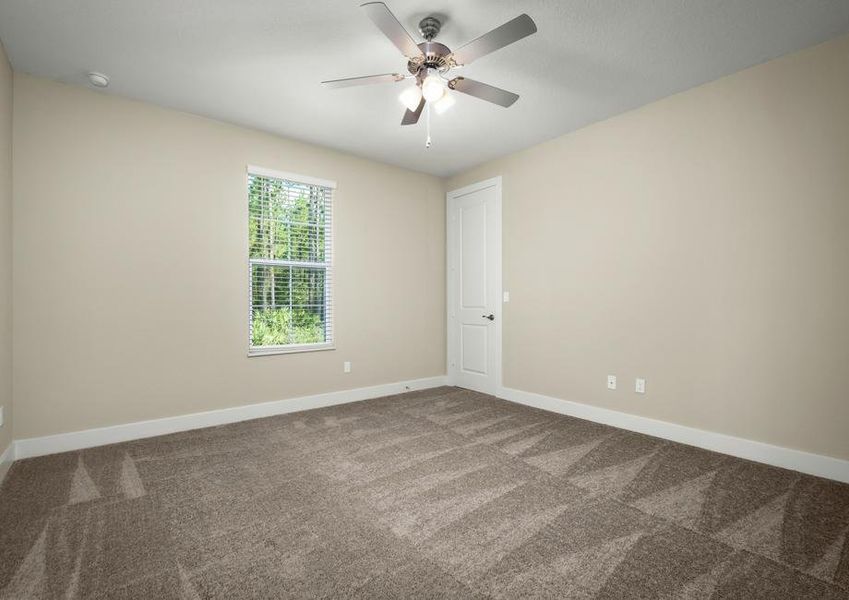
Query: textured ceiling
x,y
258,63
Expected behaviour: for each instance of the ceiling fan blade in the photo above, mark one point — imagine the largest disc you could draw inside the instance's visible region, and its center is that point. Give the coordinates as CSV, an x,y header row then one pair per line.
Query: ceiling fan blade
x,y
412,117
511,31
490,93
380,14
348,82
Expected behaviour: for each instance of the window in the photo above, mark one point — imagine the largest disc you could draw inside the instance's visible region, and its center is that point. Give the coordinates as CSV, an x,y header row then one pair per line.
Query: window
x,y
290,262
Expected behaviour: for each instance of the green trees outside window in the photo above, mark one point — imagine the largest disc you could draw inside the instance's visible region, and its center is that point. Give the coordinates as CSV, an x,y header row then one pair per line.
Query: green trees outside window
x,y
289,254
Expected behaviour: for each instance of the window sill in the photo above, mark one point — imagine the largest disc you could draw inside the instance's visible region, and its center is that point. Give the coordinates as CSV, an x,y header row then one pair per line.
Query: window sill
x,y
292,349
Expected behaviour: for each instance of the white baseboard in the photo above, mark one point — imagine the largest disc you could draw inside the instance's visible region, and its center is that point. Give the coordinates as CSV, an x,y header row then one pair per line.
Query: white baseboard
x,y
88,438
805,462
6,460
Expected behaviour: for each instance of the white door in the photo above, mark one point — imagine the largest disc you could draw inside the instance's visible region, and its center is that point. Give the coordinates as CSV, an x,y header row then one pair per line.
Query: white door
x,y
474,286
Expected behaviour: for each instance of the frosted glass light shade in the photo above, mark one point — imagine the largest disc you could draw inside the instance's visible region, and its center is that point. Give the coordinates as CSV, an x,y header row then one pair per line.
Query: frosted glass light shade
x,y
433,87
444,103
411,97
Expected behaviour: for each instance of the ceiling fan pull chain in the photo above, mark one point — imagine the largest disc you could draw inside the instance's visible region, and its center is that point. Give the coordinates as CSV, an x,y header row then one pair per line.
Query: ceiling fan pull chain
x,y
427,117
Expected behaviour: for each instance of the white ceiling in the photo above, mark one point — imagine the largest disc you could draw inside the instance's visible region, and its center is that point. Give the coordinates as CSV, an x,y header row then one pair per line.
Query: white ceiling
x,y
259,62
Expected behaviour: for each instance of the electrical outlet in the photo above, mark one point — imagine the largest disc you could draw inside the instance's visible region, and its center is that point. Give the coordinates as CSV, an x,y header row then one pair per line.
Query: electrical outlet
x,y
1,417
640,385
347,366
506,296
611,382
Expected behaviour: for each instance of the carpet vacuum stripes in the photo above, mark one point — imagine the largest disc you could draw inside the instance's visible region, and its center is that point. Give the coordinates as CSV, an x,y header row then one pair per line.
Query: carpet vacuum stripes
x,y
443,493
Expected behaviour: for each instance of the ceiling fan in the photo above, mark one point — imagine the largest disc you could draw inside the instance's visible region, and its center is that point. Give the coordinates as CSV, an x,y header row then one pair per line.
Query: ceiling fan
x,y
429,63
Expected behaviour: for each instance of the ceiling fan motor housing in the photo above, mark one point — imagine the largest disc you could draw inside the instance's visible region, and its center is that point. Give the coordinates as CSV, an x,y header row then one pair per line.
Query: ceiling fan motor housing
x,y
436,56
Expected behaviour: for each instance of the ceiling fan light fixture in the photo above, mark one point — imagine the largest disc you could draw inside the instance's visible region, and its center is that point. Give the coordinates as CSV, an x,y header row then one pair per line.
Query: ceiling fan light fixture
x,y
433,87
411,97
444,103
430,62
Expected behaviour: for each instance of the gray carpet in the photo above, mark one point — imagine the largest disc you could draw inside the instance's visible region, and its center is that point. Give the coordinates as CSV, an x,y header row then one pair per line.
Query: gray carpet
x,y
437,494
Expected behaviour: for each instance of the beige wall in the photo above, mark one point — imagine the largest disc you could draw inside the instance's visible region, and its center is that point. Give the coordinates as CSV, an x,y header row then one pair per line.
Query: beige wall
x,y
702,242
130,265
5,250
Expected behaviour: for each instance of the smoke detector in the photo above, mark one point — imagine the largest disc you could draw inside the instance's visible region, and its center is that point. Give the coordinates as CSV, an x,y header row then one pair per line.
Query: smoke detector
x,y
98,79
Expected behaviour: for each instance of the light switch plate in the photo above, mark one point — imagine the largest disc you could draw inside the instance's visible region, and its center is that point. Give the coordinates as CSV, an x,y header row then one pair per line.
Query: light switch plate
x,y
640,385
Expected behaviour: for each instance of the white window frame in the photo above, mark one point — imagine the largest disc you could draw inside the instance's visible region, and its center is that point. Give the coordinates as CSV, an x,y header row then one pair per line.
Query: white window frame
x,y
328,282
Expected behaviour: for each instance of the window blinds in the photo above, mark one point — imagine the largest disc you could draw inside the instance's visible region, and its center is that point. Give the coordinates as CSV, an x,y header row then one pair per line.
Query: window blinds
x,y
290,260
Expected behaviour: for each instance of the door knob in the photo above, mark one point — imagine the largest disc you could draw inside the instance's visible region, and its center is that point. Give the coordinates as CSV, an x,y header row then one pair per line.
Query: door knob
x,y
490,317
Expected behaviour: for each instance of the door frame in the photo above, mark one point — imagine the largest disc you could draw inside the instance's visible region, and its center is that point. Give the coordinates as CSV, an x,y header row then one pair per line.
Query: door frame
x,y
451,254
